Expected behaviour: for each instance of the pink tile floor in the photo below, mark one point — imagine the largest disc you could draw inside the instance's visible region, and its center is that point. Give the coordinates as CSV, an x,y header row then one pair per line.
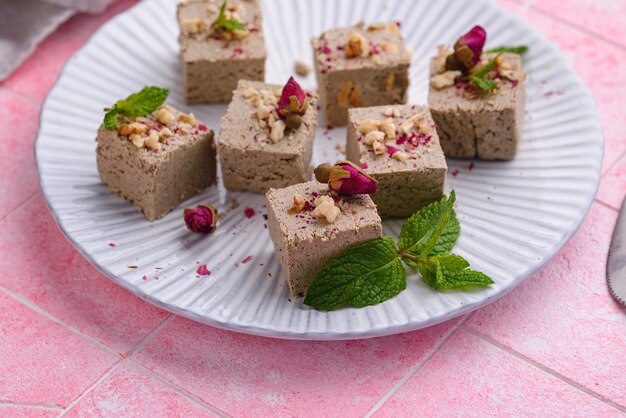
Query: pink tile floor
x,y
72,342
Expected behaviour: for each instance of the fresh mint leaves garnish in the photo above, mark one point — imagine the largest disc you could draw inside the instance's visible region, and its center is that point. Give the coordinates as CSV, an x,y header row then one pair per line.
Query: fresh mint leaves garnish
x,y
137,104
227,24
451,271
521,49
371,272
479,76
365,274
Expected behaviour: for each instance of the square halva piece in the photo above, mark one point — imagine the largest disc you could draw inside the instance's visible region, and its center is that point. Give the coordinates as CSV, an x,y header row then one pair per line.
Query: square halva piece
x,y
398,146
214,59
360,66
471,124
156,161
256,150
304,240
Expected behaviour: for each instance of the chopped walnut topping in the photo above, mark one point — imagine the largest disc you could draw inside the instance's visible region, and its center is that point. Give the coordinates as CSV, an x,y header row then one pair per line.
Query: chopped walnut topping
x,y
165,133
379,148
373,28
442,54
400,156
301,68
368,126
137,140
373,136
389,128
190,119
325,207
357,46
394,27
212,8
377,59
443,80
390,47
165,116
277,130
152,141
299,202
191,26
388,112
250,92
132,128
408,125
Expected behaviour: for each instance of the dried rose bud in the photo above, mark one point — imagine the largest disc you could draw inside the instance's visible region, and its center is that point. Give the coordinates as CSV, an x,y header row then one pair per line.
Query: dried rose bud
x,y
201,219
467,50
292,102
345,178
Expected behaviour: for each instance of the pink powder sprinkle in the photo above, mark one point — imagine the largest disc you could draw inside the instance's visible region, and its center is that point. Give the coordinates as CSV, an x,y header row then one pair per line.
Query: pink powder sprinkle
x,y
202,270
202,127
111,244
325,49
364,165
249,212
401,140
145,277
470,167
265,216
454,172
246,260
314,194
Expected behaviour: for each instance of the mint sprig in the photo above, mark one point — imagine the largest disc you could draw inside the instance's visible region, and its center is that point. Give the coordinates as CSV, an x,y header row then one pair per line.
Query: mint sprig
x,y
371,272
227,24
479,76
137,104
365,274
520,50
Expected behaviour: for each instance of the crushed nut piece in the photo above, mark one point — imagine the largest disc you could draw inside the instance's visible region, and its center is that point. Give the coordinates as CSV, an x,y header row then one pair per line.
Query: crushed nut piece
x,y
301,68
277,130
440,59
389,128
400,156
373,28
368,126
137,140
190,119
191,26
299,203
325,207
165,116
390,47
394,27
410,123
373,136
152,141
378,147
445,79
357,46
249,92
165,133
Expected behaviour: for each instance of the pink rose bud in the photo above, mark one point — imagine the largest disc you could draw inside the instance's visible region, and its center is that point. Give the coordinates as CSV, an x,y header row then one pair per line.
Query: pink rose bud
x,y
201,220
345,178
467,50
292,104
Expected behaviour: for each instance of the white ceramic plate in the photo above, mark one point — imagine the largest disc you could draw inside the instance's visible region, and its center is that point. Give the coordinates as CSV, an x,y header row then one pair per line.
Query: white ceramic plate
x,y
515,215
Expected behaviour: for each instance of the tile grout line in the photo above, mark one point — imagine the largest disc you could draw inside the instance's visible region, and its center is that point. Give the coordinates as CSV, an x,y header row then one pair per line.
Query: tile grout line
x,y
31,405
22,203
143,341
31,101
543,368
31,305
106,374
606,205
413,370
178,389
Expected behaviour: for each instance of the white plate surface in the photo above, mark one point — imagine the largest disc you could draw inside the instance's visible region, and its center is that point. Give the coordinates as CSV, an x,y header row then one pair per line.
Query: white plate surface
x,y
515,215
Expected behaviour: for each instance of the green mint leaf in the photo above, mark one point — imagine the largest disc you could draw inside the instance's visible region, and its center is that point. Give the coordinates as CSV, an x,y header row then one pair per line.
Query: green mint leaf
x,y
451,271
521,49
110,119
227,24
423,234
478,76
365,274
484,84
142,103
